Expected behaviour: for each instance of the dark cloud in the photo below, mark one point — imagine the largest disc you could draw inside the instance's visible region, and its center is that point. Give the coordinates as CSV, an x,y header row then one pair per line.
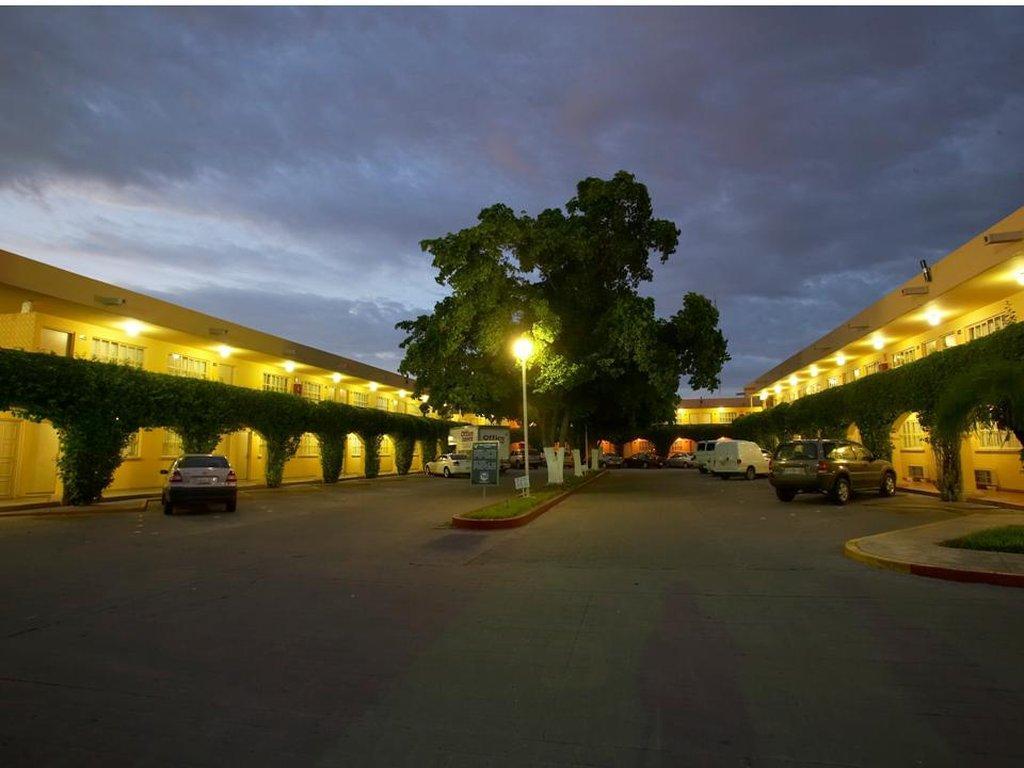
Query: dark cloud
x,y
811,156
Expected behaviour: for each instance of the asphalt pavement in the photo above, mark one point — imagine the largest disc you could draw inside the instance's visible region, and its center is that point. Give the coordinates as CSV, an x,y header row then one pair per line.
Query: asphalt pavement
x,y
654,618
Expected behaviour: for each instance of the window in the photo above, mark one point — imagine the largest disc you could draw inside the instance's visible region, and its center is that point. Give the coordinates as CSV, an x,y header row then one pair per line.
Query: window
x,y
225,373
108,351
938,344
311,391
870,368
172,444
911,435
989,325
987,436
340,395
133,449
183,365
385,446
360,399
273,382
903,357
833,381
204,462
355,446
727,417
813,387
308,444
383,403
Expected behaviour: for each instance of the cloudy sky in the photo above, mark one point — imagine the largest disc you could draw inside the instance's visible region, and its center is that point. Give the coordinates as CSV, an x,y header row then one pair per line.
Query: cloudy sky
x,y
278,167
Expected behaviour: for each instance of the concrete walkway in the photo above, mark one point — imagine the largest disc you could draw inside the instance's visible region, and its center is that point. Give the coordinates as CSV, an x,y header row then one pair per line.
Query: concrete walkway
x,y
919,551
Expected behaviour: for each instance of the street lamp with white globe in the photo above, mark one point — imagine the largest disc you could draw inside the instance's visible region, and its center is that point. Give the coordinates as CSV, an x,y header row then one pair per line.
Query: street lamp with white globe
x,y
523,350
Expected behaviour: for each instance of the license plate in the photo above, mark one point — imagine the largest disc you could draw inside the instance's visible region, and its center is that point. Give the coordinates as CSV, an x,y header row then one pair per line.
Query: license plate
x,y
205,480
793,470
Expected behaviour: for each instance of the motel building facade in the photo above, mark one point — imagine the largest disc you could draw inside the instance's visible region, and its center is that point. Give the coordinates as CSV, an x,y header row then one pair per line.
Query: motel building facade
x,y
975,290
703,413
50,310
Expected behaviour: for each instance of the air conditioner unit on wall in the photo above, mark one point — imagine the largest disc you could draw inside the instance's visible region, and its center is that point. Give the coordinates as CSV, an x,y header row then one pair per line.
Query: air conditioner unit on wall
x,y
916,473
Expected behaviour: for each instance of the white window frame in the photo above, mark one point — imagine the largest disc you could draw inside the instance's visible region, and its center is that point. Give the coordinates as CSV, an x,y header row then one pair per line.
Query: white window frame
x,y
187,366
353,445
225,373
171,447
360,399
311,390
911,434
134,448
988,437
275,382
308,445
989,325
904,356
110,351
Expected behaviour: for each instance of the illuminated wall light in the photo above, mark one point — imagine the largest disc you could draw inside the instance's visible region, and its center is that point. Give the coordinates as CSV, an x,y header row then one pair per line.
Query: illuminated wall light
x,y
401,394
814,370
335,377
1020,277
878,342
793,380
856,373
175,356
840,359
224,350
424,398
132,327
778,389
933,316
373,386
289,366
762,395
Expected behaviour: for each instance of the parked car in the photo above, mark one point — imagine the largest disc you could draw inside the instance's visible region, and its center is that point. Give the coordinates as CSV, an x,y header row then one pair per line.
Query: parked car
x,y
680,459
739,458
449,464
703,455
199,478
609,460
515,459
644,460
838,468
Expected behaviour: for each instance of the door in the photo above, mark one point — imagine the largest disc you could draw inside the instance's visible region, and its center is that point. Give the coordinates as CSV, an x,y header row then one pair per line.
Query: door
x,y
868,469
8,454
55,342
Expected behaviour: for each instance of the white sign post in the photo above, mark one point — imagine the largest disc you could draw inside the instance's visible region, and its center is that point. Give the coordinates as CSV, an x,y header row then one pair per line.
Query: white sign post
x,y
555,458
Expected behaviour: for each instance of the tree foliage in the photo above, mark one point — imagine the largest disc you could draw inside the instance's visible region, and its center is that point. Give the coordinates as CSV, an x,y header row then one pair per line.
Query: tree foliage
x,y
569,277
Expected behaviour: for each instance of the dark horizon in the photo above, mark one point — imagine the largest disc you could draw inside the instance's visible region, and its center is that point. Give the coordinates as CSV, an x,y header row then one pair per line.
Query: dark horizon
x,y
278,167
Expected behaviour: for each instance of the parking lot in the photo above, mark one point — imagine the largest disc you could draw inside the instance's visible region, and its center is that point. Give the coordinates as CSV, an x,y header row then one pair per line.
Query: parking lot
x,y
656,617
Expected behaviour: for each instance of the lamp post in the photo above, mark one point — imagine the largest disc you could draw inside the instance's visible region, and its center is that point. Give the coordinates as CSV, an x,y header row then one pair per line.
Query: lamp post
x,y
522,349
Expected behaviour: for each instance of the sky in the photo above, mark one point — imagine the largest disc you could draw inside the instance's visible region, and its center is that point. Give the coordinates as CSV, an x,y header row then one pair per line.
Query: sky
x,y
278,167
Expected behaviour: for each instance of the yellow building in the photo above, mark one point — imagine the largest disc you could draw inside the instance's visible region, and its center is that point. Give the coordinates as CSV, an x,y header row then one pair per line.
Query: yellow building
x,y
45,309
972,292
701,412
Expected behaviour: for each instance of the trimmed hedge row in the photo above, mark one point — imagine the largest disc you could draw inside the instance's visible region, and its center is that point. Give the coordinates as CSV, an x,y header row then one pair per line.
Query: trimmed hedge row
x,y
96,407
876,402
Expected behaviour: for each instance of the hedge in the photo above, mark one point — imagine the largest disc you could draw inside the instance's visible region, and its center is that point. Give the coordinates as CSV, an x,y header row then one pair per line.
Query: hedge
x,y
95,408
876,402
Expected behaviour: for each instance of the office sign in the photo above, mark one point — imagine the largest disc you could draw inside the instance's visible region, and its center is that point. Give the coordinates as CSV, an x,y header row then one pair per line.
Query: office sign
x,y
484,467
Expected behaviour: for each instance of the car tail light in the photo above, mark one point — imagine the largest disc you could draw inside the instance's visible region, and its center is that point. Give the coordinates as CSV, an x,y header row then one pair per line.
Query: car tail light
x,y
232,478
822,467
176,476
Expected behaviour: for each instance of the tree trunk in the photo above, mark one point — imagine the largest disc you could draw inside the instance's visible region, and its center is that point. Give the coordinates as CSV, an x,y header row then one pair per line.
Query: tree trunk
x,y
947,459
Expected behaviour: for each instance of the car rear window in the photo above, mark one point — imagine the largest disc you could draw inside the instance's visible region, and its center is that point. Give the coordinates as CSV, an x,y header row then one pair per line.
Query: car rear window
x,y
196,462
797,451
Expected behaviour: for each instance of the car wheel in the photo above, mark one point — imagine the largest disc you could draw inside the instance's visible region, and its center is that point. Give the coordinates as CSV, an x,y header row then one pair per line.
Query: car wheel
x,y
723,476
785,494
751,473
231,506
446,472
841,491
888,485
168,508
702,470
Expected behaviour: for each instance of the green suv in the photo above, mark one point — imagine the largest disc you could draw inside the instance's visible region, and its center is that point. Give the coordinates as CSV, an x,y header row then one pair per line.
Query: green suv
x,y
834,467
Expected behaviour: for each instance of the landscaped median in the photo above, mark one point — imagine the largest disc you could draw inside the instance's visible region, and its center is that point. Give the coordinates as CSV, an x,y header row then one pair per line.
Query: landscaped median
x,y
517,510
929,550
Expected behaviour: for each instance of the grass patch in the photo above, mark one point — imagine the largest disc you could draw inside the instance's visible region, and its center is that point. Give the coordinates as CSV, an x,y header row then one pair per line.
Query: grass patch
x,y
517,505
1007,538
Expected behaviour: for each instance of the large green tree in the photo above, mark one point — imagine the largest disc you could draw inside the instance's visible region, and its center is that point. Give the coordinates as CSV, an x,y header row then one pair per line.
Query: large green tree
x,y
569,277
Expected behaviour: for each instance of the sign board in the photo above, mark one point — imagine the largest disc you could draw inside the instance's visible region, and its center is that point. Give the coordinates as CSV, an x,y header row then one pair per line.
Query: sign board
x,y
577,463
555,458
483,466
522,483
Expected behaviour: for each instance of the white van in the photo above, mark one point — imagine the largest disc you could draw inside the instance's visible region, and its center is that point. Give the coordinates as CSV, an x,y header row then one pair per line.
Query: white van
x,y
741,458
705,454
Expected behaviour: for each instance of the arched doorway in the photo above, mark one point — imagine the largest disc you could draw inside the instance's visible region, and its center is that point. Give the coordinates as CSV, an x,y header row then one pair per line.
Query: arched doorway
x,y
912,454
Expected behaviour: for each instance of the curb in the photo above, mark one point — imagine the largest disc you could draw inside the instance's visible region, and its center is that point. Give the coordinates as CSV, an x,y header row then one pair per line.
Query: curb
x,y
853,551
970,499
458,521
